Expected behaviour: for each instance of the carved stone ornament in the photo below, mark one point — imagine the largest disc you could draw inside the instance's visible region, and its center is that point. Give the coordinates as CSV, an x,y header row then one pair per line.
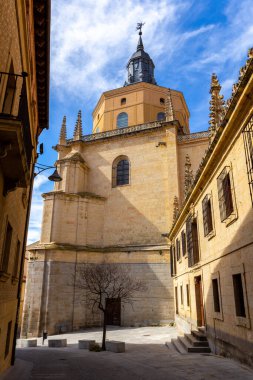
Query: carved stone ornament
x,y
216,107
175,208
188,176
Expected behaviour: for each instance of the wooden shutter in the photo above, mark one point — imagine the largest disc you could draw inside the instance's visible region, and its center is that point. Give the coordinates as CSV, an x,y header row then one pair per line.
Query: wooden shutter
x,y
221,195
174,259
189,241
227,190
195,241
178,249
183,243
205,216
171,262
225,194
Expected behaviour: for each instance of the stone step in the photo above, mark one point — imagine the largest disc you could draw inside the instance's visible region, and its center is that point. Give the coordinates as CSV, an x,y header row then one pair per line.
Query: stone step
x,y
199,335
176,343
193,349
202,329
195,342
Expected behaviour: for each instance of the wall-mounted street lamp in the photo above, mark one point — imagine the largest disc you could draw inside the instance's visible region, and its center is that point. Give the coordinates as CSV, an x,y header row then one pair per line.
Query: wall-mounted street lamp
x,y
55,177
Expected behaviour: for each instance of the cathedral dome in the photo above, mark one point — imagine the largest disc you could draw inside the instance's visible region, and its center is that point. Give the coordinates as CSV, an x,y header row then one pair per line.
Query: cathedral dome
x,y
140,67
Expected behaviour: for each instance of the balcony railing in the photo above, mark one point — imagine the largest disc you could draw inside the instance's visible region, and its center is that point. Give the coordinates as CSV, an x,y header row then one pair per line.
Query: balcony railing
x,y
14,106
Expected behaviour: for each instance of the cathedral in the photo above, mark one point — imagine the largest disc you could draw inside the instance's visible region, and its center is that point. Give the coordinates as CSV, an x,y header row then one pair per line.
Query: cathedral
x,y
121,189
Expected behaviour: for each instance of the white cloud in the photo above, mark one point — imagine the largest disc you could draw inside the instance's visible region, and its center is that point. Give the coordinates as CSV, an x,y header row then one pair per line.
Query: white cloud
x,y
39,181
229,41
90,40
227,86
36,209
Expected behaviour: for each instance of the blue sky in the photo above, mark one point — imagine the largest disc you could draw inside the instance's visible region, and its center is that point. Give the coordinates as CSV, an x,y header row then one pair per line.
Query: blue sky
x,y
91,43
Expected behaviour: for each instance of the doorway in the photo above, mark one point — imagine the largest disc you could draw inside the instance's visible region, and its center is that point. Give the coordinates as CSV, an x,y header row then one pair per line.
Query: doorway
x,y
199,301
113,311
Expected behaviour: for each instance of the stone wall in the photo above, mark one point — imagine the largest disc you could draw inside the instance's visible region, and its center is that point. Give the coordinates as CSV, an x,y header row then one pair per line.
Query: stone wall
x,y
56,305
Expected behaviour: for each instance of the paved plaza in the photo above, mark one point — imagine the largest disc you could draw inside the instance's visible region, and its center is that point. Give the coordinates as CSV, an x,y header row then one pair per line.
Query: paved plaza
x,y
146,357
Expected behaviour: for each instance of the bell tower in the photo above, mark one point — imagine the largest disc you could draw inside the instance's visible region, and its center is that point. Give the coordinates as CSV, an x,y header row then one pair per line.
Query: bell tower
x,y
140,100
140,66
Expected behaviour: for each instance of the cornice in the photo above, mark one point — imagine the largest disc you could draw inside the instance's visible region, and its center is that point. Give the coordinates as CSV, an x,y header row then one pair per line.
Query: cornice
x,y
125,131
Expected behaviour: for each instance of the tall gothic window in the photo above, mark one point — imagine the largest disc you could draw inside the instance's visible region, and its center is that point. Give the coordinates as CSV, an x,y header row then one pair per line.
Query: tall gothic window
x,y
122,120
160,116
120,171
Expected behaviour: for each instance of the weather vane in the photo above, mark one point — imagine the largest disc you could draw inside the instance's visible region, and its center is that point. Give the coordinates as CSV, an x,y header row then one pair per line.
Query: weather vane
x,y
139,27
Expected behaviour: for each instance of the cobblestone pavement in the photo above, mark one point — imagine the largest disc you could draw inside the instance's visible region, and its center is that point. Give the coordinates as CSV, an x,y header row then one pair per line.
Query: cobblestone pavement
x,y
146,357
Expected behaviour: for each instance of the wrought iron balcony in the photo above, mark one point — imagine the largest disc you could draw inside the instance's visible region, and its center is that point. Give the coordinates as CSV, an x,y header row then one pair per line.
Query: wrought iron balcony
x,y
15,133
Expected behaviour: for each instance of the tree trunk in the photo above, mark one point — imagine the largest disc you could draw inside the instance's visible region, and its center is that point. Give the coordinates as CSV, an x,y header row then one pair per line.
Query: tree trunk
x,y
104,332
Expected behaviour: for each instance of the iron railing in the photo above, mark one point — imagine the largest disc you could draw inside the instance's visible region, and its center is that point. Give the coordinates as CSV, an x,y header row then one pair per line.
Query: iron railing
x,y
14,106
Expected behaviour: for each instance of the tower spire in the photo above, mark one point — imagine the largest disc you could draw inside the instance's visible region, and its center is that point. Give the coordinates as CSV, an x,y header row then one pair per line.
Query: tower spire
x,y
63,132
216,106
140,66
78,132
140,43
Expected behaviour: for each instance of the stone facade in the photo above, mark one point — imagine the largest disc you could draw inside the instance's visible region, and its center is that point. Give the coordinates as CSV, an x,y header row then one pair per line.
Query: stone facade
x,y
213,269
20,124
89,219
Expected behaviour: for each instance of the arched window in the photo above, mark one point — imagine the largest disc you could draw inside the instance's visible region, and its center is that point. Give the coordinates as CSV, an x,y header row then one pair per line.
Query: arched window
x,y
162,101
120,171
123,101
160,116
122,120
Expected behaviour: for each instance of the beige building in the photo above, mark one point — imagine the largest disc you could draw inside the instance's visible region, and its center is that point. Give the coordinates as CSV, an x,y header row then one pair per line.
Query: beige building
x,y
212,237
24,75
115,203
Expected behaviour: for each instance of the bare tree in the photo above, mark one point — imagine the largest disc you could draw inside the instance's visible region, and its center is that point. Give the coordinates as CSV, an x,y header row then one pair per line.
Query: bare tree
x,y
106,281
